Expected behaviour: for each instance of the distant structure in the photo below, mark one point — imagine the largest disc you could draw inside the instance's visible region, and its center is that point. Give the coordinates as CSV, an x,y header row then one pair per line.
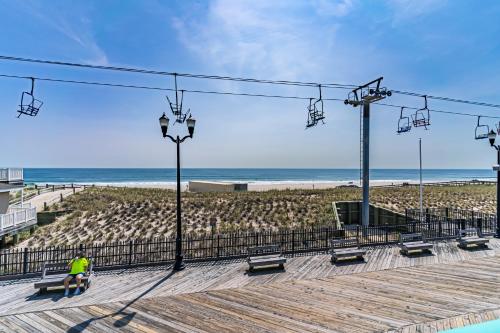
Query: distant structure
x,y
17,217
206,186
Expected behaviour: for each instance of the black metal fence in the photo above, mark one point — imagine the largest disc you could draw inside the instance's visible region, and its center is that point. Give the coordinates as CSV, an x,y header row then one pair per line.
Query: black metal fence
x,y
452,219
434,224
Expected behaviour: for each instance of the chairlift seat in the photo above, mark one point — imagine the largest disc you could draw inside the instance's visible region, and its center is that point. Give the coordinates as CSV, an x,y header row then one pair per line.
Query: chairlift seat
x,y
420,120
29,104
481,131
404,129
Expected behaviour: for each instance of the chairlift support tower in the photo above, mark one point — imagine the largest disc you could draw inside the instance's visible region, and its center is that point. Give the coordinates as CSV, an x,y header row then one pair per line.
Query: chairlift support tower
x,y
365,95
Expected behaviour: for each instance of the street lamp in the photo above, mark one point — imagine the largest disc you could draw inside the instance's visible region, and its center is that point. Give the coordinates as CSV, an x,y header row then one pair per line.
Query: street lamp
x,y
179,265
492,136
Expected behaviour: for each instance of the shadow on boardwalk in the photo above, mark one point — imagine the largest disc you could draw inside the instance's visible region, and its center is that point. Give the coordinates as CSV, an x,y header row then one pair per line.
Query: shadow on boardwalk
x,y
125,317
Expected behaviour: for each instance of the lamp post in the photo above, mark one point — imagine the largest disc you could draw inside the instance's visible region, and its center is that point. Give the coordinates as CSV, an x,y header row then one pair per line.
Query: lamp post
x,y
492,136
179,265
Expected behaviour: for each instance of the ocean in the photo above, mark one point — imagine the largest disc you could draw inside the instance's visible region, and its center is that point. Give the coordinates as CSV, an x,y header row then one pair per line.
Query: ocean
x,y
110,176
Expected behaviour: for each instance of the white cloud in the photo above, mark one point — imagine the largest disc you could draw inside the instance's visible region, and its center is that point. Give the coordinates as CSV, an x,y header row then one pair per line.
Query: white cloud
x,y
76,27
333,8
261,38
404,10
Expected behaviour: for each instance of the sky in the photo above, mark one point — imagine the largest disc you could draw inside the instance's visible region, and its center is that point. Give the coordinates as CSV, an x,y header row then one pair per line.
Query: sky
x,y
435,47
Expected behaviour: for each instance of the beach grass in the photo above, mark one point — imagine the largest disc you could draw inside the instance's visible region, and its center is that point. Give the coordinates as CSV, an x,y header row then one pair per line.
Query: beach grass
x,y
119,214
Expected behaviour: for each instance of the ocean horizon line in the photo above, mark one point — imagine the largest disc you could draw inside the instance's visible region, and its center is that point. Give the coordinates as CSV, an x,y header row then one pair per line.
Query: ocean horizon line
x,y
236,168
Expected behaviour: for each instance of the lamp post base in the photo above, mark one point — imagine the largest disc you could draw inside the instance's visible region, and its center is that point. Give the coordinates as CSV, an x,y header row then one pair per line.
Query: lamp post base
x,y
179,264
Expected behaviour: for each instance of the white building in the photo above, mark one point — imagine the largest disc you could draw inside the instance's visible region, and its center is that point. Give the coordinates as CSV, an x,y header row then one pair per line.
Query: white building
x,y
16,217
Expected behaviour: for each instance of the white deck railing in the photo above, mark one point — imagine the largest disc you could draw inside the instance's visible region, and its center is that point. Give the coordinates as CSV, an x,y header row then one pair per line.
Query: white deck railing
x,y
11,174
17,217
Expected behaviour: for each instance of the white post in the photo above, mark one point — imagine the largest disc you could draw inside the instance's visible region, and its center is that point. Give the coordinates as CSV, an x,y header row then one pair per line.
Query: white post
x,y
421,185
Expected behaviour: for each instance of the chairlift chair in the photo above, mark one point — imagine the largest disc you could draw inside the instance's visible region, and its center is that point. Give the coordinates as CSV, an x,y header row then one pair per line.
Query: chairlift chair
x,y
403,123
481,131
422,117
29,104
315,111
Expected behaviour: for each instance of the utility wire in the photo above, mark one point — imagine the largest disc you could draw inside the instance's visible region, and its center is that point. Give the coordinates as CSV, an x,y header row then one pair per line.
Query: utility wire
x,y
117,85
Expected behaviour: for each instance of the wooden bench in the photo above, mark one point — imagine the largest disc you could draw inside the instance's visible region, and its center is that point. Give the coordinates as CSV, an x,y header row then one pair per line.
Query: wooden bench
x,y
471,236
267,255
52,276
413,242
346,248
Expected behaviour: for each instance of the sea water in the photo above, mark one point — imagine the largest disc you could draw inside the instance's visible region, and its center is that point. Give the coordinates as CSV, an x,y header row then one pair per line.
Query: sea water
x,y
146,176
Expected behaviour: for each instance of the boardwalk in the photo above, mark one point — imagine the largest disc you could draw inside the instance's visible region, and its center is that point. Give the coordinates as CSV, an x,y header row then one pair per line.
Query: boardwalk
x,y
388,292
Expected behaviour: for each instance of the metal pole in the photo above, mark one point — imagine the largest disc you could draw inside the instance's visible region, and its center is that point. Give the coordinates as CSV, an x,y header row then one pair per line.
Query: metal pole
x,y
498,194
179,265
421,186
365,214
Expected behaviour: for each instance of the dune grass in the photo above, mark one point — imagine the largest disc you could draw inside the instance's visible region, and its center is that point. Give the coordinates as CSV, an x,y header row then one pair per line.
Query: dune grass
x,y
119,214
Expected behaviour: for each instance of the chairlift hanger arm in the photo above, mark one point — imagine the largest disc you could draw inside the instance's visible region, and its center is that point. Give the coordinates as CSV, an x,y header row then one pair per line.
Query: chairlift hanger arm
x,y
370,83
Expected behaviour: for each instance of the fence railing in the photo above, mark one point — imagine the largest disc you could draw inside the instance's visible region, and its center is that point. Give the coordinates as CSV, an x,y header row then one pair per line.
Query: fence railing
x,y
227,246
11,174
17,217
461,217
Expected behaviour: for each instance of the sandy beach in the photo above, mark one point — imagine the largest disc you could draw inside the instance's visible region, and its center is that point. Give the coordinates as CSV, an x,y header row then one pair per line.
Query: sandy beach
x,y
275,185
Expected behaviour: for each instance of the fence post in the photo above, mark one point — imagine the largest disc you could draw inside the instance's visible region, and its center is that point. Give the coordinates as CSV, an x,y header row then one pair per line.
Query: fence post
x,y
293,243
130,249
327,236
61,195
25,261
440,228
218,245
386,236
480,224
406,215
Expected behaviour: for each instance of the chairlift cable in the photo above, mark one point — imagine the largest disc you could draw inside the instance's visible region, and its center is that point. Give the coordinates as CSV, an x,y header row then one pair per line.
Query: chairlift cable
x,y
117,85
446,99
240,79
188,75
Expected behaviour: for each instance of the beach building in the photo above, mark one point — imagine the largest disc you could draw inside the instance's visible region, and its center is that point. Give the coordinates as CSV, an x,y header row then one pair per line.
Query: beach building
x,y
13,217
206,186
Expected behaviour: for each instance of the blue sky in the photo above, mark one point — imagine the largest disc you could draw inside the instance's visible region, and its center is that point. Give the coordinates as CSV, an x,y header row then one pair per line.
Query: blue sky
x,y
449,48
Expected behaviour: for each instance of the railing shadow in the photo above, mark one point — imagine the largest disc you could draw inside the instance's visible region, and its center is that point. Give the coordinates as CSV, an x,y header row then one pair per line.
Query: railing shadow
x,y
126,317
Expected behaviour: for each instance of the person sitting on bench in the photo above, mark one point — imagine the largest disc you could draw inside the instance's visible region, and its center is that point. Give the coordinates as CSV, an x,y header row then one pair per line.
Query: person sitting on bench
x,y
78,267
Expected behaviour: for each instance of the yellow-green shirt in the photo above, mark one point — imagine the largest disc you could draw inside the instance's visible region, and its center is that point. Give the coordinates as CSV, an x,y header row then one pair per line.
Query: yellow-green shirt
x,y
78,265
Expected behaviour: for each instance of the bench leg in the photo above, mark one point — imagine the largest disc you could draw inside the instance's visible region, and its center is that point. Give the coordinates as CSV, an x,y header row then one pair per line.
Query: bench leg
x,y
282,266
403,252
360,258
334,259
42,291
250,269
